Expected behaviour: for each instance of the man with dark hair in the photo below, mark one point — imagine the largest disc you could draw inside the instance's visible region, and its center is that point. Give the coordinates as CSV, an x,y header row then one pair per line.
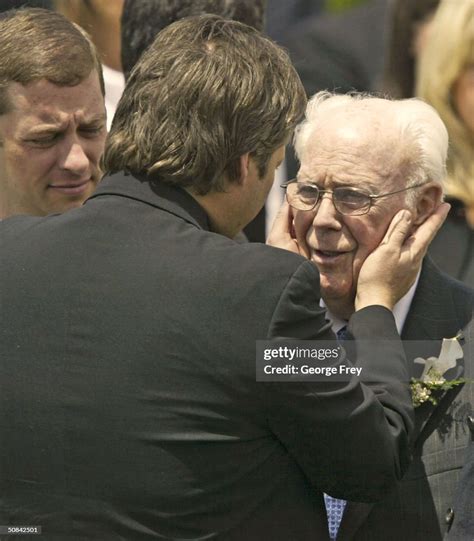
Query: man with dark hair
x,y
52,116
143,19
129,406
141,22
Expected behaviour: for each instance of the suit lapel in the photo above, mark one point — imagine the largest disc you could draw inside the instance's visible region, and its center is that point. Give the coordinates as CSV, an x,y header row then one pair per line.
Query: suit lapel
x,y
354,516
432,317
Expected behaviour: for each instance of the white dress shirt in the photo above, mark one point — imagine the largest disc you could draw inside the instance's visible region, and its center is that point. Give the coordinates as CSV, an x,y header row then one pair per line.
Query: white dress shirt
x,y
114,82
400,310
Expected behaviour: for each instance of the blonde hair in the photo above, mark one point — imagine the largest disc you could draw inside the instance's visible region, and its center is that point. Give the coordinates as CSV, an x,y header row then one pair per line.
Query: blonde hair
x,y
448,51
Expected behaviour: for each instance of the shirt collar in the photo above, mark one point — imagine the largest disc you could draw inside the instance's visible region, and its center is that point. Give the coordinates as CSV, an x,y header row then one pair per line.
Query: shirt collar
x,y
400,310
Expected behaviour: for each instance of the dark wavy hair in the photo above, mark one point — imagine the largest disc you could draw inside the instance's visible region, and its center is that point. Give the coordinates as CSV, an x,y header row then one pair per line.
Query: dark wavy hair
x,y
207,91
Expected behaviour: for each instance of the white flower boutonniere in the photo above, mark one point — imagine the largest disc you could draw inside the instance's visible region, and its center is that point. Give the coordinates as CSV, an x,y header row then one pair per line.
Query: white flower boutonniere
x,y
431,382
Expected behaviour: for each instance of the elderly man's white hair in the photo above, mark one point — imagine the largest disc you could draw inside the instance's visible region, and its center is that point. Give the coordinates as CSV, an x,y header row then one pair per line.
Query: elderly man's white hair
x,y
423,136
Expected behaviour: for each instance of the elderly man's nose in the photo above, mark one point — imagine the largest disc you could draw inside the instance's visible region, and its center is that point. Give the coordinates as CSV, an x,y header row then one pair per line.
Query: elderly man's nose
x,y
326,214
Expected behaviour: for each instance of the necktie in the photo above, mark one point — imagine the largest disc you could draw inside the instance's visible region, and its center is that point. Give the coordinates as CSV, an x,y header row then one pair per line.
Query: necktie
x,y
342,335
334,511
334,506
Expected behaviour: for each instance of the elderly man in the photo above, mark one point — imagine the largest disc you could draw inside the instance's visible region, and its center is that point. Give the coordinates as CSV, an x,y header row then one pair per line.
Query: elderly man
x,y
130,407
52,116
362,160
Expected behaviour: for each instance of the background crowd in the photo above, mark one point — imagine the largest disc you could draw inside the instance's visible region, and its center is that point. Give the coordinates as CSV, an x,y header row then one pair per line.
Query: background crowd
x,y
393,47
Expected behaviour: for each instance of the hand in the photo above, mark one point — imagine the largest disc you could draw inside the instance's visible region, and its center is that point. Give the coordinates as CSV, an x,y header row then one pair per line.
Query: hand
x,y
391,269
282,234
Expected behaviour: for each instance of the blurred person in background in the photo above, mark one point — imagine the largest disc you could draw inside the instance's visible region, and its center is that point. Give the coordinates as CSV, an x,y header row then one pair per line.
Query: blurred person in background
x,y
445,79
283,15
101,20
340,49
5,5
52,115
142,20
408,27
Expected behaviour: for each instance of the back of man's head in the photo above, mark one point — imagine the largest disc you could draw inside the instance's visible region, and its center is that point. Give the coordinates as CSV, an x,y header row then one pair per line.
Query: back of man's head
x,y
143,19
206,92
41,44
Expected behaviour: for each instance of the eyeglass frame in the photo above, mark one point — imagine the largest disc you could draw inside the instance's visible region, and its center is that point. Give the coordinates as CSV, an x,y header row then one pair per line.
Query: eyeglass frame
x,y
322,192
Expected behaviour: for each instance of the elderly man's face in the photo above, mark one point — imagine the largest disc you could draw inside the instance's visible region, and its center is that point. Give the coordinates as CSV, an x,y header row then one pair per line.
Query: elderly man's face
x,y
50,145
336,243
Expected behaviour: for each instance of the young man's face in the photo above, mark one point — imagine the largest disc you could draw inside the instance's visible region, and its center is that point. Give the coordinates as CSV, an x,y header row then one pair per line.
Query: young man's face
x,y
51,141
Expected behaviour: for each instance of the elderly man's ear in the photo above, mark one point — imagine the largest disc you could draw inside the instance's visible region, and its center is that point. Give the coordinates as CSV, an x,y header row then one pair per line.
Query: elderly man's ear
x,y
428,201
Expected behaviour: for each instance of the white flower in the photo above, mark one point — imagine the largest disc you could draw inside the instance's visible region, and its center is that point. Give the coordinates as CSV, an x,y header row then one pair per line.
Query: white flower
x,y
451,351
432,378
420,393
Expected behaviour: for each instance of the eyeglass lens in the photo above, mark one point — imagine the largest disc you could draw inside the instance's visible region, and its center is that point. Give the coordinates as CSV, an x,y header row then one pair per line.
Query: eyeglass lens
x,y
346,200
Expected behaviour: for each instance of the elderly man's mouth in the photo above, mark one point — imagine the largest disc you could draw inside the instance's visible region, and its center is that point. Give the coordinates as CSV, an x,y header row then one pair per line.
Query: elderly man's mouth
x,y
327,256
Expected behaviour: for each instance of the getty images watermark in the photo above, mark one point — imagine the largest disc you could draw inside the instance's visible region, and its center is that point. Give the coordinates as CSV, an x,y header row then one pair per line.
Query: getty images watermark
x,y
317,360
298,360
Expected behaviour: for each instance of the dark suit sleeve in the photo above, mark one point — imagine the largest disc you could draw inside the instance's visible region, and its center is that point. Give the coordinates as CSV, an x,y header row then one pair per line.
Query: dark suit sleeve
x,y
351,438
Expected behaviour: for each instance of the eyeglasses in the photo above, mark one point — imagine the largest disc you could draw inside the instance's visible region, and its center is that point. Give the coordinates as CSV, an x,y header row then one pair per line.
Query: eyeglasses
x,y
347,201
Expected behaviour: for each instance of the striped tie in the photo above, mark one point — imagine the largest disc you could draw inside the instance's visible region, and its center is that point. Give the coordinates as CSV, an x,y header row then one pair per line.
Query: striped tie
x,y
334,506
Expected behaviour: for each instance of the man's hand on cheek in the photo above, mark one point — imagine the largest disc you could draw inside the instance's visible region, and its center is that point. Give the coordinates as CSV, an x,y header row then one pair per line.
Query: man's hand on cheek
x,y
302,223
390,270
283,234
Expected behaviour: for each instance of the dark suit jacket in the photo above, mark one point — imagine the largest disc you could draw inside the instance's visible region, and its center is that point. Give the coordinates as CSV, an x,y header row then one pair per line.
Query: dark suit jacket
x,y
129,406
453,247
462,528
419,508
338,52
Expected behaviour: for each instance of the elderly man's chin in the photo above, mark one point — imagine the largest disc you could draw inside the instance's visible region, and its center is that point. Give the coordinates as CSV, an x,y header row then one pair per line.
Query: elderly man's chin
x,y
336,274
338,293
